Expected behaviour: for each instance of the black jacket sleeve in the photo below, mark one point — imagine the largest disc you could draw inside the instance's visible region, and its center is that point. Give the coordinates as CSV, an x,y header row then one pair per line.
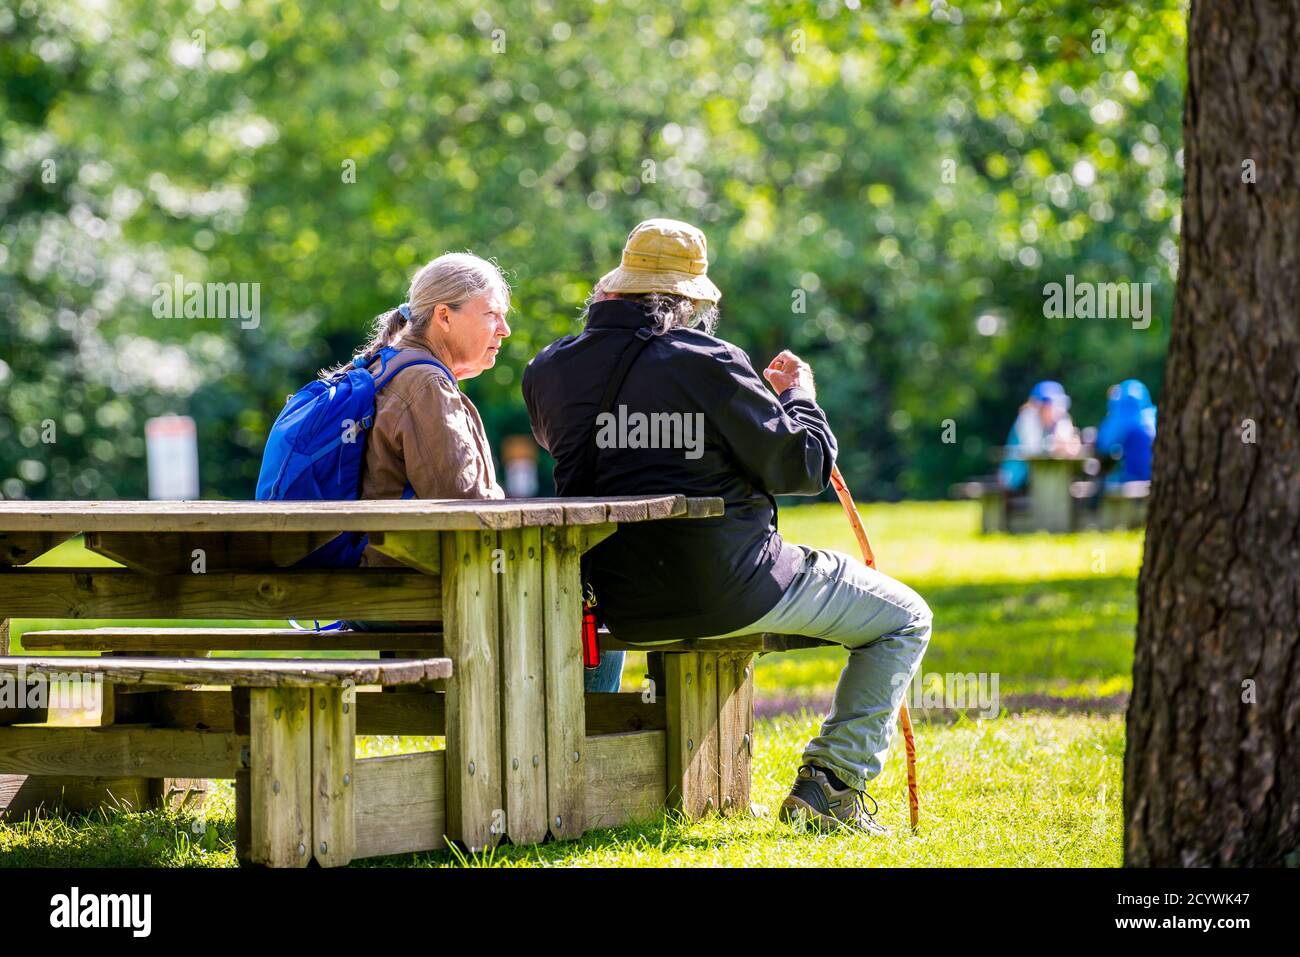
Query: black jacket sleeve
x,y
785,444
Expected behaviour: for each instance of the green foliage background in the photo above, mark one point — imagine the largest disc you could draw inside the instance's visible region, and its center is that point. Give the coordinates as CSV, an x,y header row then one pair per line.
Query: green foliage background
x,y
144,138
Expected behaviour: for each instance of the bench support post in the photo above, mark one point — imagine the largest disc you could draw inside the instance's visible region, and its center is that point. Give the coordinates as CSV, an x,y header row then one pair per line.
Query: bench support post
x,y
993,511
274,811
691,692
333,759
735,731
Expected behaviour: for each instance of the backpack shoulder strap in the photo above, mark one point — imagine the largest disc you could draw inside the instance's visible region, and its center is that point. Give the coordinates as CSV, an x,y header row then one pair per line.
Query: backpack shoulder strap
x,y
386,374
613,385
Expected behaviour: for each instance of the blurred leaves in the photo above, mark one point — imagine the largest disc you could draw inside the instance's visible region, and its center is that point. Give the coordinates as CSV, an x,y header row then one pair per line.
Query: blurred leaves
x,y
809,140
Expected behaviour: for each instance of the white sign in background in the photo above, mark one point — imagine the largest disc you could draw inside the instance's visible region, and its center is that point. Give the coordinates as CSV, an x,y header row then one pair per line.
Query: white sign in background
x,y
171,443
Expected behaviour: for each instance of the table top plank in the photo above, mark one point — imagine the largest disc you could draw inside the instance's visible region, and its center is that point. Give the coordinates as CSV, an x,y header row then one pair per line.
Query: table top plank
x,y
369,516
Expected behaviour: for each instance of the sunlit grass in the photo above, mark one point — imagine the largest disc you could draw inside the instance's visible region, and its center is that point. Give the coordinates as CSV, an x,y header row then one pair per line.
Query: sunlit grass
x,y
1023,791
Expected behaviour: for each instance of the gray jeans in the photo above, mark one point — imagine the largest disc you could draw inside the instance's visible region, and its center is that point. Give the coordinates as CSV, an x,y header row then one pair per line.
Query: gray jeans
x,y
886,627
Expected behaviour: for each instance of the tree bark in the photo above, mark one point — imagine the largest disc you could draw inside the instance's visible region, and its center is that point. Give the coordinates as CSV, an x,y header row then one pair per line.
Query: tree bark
x,y
1212,768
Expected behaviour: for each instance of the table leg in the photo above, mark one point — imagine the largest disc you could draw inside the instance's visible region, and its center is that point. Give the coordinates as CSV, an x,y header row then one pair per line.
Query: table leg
x,y
523,688
566,721
1050,507
471,638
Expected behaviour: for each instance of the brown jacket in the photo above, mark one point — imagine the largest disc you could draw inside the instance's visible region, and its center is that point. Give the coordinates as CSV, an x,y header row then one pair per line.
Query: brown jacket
x,y
426,432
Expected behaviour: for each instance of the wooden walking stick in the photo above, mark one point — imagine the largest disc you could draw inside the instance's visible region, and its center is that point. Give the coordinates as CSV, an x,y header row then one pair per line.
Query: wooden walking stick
x,y
904,719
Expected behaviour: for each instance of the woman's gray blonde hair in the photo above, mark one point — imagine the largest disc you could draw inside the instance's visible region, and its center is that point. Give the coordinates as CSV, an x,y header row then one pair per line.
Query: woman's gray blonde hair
x,y
452,278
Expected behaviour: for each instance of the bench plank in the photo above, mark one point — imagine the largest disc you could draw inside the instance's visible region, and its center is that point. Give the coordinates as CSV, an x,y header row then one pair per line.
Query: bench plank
x,y
401,808
401,803
243,672
625,711
758,643
414,713
229,639
120,751
625,778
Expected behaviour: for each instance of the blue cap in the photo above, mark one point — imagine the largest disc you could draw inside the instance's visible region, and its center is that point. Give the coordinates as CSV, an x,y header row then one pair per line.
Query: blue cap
x,y
1051,391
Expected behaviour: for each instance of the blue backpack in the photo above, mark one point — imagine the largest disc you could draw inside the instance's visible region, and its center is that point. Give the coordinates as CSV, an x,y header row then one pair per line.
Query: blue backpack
x,y
316,445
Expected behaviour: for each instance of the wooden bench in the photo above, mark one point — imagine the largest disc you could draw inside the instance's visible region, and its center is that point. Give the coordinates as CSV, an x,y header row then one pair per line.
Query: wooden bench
x,y
699,693
289,743
293,639
995,503
1125,505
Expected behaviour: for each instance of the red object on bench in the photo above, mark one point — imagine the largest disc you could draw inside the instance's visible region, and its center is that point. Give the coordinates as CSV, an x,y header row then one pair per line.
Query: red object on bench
x,y
590,646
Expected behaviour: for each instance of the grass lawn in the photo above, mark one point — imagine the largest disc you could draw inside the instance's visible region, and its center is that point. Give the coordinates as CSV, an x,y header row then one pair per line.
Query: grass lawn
x,y
1052,616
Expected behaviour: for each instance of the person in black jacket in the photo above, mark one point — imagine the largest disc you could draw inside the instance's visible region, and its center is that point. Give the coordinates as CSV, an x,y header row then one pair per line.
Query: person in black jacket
x,y
686,413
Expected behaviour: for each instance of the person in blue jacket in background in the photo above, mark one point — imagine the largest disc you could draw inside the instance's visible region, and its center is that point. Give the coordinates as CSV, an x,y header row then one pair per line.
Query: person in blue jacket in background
x,y
1128,432
1043,427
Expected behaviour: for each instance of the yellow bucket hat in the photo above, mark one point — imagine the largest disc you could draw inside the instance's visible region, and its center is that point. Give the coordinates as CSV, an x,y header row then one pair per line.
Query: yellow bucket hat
x,y
663,255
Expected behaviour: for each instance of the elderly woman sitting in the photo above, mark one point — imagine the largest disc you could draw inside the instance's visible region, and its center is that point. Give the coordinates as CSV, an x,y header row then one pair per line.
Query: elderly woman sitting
x,y
427,440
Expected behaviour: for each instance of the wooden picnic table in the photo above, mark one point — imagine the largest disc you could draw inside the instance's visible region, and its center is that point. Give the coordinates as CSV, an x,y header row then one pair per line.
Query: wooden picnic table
x,y
502,577
1047,504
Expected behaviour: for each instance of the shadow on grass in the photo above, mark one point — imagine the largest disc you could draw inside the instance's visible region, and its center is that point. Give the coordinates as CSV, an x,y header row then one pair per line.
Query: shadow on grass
x,y
669,831
113,838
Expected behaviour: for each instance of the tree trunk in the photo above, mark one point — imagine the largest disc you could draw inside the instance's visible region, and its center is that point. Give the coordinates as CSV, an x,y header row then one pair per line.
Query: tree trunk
x,y
1212,770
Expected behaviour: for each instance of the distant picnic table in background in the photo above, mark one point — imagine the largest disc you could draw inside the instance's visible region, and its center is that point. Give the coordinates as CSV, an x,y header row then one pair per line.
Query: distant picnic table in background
x,y
1063,494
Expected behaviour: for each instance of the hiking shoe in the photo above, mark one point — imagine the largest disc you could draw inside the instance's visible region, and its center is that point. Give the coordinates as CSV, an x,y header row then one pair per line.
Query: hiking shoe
x,y
814,801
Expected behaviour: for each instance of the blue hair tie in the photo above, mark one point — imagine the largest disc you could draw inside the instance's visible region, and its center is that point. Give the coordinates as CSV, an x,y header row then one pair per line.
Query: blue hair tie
x,y
405,310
